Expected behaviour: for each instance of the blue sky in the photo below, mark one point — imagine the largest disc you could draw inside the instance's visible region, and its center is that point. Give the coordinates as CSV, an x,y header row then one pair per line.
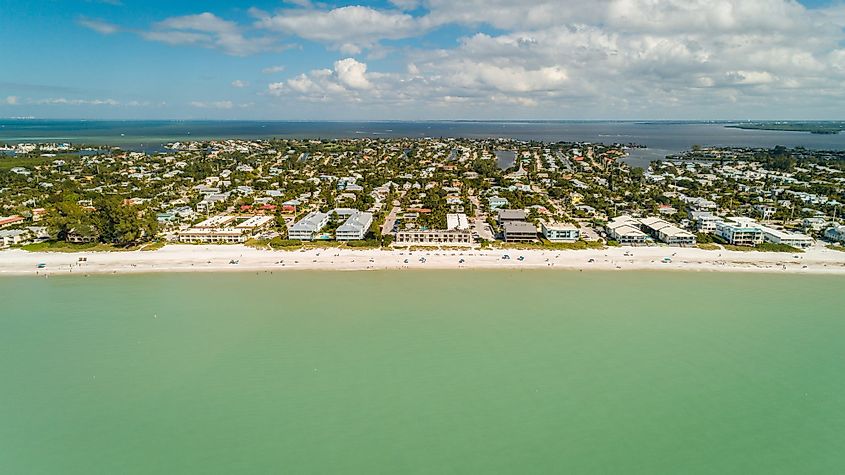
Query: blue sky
x,y
423,59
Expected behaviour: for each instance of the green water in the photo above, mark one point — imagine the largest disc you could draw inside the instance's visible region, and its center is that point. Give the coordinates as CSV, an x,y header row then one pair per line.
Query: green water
x,y
425,372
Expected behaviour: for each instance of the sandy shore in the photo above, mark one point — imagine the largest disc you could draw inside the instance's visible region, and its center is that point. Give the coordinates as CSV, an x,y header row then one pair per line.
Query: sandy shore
x,y
185,258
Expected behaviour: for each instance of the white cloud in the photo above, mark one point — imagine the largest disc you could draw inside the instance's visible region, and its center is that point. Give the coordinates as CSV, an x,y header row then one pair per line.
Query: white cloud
x,y
273,69
350,28
347,81
99,26
11,100
352,73
238,84
62,101
213,104
209,30
611,58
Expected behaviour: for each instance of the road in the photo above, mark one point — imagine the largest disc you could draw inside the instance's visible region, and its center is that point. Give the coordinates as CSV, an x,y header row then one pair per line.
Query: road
x,y
389,221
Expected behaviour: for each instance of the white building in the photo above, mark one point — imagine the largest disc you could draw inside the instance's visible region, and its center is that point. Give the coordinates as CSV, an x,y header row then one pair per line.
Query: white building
x,y
434,238
836,233
739,232
213,236
777,236
705,222
307,228
14,237
668,232
356,227
457,221
626,231
560,232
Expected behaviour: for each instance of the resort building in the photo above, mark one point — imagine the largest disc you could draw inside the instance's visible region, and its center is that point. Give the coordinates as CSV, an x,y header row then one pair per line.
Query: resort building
x,y
255,224
497,202
705,221
626,231
307,228
836,234
216,222
355,227
506,215
559,232
14,237
213,236
457,238
6,221
457,221
519,231
777,236
739,232
668,232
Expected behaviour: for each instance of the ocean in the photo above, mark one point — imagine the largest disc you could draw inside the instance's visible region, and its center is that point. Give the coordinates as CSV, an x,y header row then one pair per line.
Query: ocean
x,y
661,138
427,372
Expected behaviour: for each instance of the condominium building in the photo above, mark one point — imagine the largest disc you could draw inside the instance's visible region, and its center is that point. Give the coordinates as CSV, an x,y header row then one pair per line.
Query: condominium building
x,y
455,237
355,227
213,236
739,232
836,233
519,231
626,231
506,215
307,228
559,232
668,232
457,221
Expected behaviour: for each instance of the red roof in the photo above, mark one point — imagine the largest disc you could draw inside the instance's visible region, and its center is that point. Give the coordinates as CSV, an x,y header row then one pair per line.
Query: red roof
x,y
10,220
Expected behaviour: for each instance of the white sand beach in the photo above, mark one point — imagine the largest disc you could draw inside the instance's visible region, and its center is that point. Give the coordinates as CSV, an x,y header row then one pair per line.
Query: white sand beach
x,y
189,258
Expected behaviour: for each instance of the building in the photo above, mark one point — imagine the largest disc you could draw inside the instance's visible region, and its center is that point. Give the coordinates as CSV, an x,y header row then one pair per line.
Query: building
x,y
452,238
668,232
255,224
497,202
777,236
519,231
626,231
14,237
307,228
355,227
816,224
705,222
6,221
216,222
559,232
766,211
739,232
836,234
506,215
83,236
457,221
213,236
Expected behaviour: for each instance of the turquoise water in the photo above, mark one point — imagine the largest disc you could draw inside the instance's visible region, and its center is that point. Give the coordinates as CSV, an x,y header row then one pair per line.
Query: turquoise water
x,y
423,372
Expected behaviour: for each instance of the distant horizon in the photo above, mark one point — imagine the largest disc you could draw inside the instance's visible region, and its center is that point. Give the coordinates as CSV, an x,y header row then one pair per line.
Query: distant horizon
x,y
421,60
712,121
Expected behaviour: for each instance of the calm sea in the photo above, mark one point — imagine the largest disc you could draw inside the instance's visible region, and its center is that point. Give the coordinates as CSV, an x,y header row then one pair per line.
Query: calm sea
x,y
423,372
661,138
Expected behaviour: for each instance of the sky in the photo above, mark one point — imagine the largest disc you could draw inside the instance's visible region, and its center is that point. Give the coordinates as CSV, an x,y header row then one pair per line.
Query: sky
x,y
423,59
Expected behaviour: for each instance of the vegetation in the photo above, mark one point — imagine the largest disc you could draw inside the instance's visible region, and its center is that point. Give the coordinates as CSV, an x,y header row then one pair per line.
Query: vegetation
x,y
811,127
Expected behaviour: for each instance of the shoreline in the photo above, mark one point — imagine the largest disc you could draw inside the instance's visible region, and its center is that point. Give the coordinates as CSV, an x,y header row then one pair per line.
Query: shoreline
x,y
219,258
